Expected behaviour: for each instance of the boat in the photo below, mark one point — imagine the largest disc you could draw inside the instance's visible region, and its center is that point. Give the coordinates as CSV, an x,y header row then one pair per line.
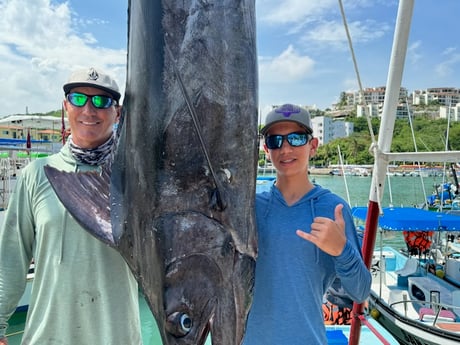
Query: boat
x,y
444,197
420,308
415,292
407,328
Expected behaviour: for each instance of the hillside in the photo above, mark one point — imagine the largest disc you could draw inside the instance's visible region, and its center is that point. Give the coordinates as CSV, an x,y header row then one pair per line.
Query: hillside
x,y
430,135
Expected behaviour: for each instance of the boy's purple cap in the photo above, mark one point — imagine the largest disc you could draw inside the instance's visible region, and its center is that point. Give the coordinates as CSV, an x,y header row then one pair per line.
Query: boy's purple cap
x,y
288,112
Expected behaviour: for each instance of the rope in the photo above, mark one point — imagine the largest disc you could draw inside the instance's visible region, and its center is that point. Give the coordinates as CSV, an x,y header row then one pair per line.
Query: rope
x,y
373,149
355,64
344,175
415,147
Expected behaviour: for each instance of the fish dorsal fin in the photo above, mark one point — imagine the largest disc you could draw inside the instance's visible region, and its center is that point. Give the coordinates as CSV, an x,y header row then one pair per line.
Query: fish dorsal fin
x,y
86,196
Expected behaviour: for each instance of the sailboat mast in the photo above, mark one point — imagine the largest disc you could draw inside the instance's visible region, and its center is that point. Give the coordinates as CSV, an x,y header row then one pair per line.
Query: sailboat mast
x,y
396,67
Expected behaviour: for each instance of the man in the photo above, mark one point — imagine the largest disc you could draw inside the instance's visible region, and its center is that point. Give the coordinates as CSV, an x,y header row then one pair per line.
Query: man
x,y
83,292
306,239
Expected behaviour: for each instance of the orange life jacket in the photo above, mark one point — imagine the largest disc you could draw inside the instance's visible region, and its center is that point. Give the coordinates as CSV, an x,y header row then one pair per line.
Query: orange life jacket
x,y
335,315
418,240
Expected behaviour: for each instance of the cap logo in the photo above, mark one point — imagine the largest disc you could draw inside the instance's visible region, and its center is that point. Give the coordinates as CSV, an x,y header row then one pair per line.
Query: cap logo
x,y
92,74
287,110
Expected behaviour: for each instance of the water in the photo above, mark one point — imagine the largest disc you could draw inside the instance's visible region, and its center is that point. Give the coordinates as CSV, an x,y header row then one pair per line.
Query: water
x,y
405,191
398,191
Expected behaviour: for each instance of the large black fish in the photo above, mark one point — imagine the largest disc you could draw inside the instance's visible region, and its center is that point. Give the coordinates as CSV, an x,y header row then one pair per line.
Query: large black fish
x,y
178,200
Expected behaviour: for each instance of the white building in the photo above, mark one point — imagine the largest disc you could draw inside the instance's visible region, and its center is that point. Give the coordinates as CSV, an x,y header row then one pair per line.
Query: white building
x,y
343,129
372,95
34,121
453,112
327,129
376,110
446,96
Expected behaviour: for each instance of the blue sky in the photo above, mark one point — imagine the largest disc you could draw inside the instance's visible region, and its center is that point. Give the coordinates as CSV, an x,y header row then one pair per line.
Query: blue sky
x,y
302,49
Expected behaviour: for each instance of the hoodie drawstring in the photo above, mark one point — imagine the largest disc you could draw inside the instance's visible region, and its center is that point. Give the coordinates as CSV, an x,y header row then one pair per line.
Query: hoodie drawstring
x,y
313,215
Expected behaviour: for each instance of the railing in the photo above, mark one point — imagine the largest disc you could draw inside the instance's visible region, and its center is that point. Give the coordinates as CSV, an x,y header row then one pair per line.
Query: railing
x,y
434,306
5,176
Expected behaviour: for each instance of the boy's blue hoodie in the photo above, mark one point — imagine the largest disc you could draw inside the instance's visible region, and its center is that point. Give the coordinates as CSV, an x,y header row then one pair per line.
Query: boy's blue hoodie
x,y
292,274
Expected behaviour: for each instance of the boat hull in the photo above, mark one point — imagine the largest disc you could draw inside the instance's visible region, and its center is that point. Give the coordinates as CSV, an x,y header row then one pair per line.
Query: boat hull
x,y
402,305
407,331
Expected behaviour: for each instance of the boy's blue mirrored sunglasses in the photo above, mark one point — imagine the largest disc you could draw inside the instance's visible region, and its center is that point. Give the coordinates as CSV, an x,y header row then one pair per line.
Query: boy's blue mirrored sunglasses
x,y
275,141
79,99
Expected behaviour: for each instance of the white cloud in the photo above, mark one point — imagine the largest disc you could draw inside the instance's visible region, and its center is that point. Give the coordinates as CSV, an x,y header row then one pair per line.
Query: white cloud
x,y
292,11
333,34
39,47
447,67
288,67
293,15
413,54
350,85
449,51
318,25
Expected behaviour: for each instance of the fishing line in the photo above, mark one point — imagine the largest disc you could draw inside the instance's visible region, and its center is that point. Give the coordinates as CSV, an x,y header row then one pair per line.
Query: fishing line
x,y
220,203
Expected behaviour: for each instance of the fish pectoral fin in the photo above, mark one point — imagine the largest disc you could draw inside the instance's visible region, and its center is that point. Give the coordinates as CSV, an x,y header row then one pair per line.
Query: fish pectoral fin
x,y
86,196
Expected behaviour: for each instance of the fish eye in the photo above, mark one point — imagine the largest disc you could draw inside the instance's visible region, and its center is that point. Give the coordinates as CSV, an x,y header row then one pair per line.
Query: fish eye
x,y
179,324
186,322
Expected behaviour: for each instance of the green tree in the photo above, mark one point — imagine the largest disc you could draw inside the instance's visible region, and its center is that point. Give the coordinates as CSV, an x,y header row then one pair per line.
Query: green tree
x,y
342,100
430,135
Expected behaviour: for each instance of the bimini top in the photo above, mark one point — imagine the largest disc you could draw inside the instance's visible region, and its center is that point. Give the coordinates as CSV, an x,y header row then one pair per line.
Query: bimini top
x,y
412,219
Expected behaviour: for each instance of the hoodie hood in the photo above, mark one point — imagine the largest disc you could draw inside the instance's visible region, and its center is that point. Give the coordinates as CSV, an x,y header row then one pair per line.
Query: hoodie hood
x,y
309,199
299,215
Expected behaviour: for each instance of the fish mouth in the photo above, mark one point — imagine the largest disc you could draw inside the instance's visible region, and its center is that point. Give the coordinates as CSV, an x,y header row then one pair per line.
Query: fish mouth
x,y
201,339
191,294
201,264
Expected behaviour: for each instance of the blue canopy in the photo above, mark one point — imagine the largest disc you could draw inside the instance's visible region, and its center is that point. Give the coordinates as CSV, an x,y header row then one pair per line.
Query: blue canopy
x,y
412,219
